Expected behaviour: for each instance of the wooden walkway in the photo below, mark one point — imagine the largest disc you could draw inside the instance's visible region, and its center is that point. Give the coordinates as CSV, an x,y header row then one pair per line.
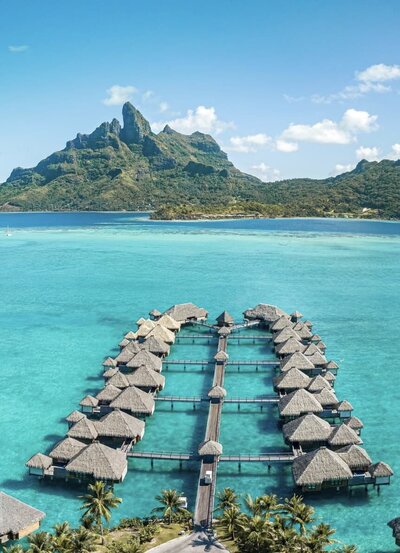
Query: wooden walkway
x,y
192,399
206,362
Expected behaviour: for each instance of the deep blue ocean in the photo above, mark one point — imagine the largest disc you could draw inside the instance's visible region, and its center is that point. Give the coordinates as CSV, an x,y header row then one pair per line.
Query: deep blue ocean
x,y
72,284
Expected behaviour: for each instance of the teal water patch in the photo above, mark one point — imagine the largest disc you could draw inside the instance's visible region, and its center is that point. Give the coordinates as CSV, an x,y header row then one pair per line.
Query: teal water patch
x,y
70,291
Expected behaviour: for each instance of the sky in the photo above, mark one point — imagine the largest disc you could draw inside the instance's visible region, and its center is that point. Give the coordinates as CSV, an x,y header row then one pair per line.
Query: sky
x,y
289,88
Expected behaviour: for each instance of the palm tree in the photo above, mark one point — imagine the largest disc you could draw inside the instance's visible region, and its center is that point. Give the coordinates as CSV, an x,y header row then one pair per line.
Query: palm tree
x,y
41,542
98,503
170,504
269,503
13,549
320,537
226,498
82,541
255,532
62,537
348,549
253,505
231,520
299,512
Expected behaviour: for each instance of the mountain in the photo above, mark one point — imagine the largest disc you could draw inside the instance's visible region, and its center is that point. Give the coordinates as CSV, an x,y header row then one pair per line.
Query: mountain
x,y
128,168
177,175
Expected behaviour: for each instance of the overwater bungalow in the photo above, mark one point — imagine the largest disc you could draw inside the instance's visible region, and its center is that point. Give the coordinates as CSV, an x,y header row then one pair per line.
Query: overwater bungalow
x,y
123,343
332,367
99,462
307,432
265,312
381,472
356,457
315,355
321,469
161,332
17,519
84,430
291,380
144,357
321,346
118,380
65,450
224,331
225,319
284,335
344,409
146,379
216,394
327,398
281,323
120,426
289,347
130,336
170,323
317,383
134,401
297,361
74,417
187,313
40,465
298,403
342,435
302,330
109,362
296,316
330,377
126,354
308,324
144,329
108,394
155,314
110,372
355,423
88,404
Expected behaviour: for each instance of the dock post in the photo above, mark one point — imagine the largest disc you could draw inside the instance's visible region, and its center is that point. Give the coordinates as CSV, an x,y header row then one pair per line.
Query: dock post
x,y
269,468
239,466
172,406
152,463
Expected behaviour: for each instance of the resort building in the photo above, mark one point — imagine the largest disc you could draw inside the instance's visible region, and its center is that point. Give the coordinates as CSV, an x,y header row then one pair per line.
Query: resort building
x,y
187,312
17,519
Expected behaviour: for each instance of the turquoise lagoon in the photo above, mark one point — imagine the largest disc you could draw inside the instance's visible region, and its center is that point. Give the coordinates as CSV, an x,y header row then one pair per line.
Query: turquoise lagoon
x,y
72,284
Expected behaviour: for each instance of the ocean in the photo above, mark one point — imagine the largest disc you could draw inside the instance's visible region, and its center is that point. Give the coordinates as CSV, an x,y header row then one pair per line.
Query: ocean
x,y
72,284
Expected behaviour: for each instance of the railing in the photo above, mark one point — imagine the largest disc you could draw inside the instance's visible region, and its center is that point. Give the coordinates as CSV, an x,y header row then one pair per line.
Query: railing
x,y
278,457
169,456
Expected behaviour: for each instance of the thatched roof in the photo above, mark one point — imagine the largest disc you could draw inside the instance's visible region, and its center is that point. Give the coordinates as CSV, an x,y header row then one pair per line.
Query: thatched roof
x,y
141,320
296,315
281,323
184,311
380,470
343,435
155,345
75,416
296,361
225,318
217,392
110,372
284,335
127,353
290,346
119,380
355,456
355,423
130,335
108,393
221,356
311,349
144,377
145,328
264,312
161,332
109,362
318,383
326,397
155,313
317,359
147,358
89,401
99,461
39,461
329,377
118,424
210,447
169,322
319,466
224,331
321,346
134,400
66,449
16,515
302,330
331,365
298,403
123,343
307,429
291,380
85,429
345,406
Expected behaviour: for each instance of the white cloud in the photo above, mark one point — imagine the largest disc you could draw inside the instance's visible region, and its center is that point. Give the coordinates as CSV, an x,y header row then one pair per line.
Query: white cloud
x,y
395,153
147,95
339,169
249,143
265,172
332,132
118,95
163,107
284,146
18,49
202,119
379,73
368,153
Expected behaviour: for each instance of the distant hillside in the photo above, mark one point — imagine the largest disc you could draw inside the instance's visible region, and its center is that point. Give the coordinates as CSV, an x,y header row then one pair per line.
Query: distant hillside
x,y
132,168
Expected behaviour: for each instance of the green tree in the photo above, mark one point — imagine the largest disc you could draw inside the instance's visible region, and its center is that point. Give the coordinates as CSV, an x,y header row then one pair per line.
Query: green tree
x,y
13,549
41,542
231,520
226,498
98,502
82,541
299,512
62,537
170,504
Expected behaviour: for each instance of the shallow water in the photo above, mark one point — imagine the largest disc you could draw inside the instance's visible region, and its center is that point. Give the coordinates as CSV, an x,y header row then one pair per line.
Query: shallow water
x,y
72,284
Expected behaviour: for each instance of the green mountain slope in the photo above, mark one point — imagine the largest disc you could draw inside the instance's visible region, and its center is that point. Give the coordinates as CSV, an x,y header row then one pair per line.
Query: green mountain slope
x,y
132,168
